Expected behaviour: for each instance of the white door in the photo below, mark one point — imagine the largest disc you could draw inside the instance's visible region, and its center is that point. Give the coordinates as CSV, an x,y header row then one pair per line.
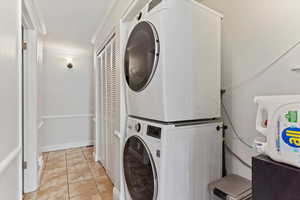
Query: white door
x,y
101,135
109,109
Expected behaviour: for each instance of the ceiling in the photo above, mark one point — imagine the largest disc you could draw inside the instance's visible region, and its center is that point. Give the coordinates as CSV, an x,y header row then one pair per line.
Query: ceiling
x,y
73,21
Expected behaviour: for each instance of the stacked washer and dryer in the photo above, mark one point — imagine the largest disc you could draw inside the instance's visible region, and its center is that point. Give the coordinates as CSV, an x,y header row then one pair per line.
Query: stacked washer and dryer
x,y
173,148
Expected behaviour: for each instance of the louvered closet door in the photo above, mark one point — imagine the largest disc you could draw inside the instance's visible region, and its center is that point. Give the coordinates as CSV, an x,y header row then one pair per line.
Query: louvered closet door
x,y
110,96
116,83
115,110
109,130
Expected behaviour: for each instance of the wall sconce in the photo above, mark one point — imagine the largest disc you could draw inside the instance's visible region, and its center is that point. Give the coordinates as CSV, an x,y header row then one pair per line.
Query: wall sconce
x,y
69,63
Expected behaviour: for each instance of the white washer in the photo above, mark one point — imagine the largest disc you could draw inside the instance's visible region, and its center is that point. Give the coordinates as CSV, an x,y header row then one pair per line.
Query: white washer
x,y
171,162
172,62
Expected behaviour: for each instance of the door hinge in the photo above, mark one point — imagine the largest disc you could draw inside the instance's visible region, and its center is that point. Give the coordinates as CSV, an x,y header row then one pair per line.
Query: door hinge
x,y
24,164
24,46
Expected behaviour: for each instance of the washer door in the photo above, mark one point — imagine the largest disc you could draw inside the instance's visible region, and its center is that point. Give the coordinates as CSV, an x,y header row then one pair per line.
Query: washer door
x,y
141,56
139,170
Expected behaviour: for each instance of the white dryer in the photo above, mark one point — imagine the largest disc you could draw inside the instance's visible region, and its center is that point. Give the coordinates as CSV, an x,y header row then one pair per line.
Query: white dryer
x,y
172,62
171,162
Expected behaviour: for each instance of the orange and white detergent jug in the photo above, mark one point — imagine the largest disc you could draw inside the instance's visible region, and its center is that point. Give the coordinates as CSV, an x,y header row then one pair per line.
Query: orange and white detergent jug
x,y
278,120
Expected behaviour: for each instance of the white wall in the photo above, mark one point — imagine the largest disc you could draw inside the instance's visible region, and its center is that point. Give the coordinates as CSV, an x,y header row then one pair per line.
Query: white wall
x,y
10,40
40,96
67,97
112,21
255,33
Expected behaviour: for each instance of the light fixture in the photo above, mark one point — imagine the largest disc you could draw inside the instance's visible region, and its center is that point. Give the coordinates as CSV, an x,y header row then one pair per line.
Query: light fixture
x,y
69,63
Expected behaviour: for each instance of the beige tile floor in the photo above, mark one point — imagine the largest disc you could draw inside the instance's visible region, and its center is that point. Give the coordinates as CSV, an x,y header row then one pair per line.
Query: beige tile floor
x,y
72,175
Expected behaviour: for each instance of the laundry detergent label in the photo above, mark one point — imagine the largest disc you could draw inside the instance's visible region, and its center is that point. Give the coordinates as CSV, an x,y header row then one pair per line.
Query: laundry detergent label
x,y
291,136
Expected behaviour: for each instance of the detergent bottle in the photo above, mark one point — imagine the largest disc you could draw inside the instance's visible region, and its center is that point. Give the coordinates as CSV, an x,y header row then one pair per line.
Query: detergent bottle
x,y
278,120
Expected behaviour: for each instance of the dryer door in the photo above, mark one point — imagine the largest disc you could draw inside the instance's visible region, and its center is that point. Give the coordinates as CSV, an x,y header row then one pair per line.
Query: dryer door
x,y
141,56
139,170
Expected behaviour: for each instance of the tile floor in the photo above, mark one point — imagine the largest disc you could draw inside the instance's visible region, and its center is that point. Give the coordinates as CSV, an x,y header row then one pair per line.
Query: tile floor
x,y
72,175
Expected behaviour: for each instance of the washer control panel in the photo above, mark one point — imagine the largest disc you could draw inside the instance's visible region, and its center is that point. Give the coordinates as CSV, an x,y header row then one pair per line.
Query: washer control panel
x,y
138,127
141,128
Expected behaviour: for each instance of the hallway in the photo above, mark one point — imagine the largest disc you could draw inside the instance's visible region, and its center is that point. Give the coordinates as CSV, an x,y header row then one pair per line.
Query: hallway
x,y
73,175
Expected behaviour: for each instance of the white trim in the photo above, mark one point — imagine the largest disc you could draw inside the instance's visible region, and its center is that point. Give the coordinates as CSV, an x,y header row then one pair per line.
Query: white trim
x,y
117,134
31,188
35,26
134,7
101,26
101,47
67,146
20,103
97,106
116,194
26,21
127,10
41,166
4,164
31,110
48,117
41,124
34,14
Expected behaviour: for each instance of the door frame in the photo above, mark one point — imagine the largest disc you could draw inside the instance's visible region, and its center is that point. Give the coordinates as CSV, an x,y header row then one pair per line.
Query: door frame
x,y
30,111
33,30
100,150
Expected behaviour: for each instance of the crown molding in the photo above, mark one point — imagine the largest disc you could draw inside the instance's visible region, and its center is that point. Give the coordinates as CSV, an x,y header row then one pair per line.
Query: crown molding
x,y
101,26
32,17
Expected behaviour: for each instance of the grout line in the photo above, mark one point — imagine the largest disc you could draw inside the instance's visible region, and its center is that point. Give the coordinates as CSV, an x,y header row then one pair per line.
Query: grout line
x,y
82,151
43,170
87,162
68,186
94,178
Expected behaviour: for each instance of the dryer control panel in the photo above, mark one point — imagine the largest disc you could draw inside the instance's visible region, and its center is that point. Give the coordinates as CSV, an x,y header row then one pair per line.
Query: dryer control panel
x,y
153,131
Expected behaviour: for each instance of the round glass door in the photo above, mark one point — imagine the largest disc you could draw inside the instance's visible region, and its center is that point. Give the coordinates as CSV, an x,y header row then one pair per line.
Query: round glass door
x,y
139,170
141,56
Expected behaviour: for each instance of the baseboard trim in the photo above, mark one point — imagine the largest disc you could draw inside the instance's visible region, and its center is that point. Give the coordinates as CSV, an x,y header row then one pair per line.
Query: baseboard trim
x,y
116,194
30,189
66,146
41,167
4,164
